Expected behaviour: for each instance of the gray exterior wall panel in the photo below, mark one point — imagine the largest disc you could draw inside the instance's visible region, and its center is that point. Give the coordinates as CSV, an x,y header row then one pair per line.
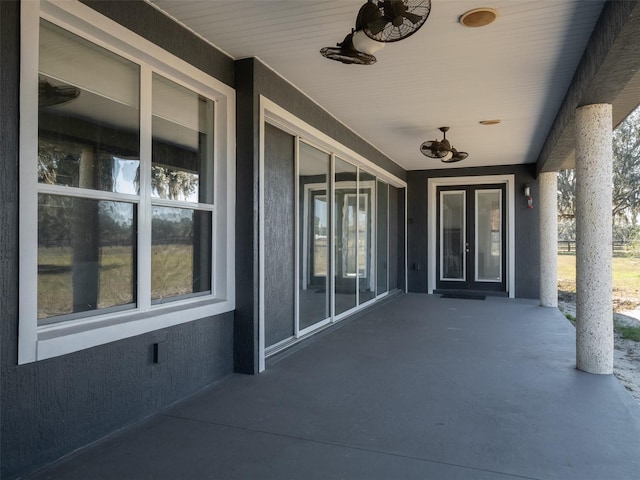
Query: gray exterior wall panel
x,y
279,233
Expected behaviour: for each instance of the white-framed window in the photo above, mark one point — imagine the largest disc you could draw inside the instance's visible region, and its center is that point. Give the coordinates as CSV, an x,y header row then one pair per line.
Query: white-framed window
x,y
127,185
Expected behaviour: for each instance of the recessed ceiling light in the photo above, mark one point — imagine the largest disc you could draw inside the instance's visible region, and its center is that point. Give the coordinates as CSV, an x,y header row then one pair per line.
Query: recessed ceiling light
x,y
490,122
479,17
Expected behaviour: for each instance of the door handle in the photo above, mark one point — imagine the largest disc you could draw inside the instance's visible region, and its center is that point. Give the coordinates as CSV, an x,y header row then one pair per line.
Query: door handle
x,y
466,247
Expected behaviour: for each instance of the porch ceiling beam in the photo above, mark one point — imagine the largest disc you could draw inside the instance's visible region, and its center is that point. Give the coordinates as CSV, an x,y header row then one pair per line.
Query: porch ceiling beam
x,y
609,72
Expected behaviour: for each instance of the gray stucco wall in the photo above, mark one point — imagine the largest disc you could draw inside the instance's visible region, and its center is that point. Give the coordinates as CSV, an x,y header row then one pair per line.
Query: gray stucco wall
x,y
279,235
52,407
527,281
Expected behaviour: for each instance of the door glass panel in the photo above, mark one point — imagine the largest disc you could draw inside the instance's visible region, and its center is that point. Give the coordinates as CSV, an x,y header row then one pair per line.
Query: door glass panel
x,y
382,237
345,235
313,299
452,235
366,237
488,260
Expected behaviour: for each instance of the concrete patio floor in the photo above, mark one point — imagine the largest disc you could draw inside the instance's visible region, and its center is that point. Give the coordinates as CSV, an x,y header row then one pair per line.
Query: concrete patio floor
x,y
419,387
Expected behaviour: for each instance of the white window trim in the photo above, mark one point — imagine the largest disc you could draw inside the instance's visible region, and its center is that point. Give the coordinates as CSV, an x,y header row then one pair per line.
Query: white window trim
x,y
274,114
509,181
38,343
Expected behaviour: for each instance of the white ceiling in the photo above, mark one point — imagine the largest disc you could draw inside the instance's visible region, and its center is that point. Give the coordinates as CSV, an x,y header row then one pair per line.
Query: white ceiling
x,y
516,69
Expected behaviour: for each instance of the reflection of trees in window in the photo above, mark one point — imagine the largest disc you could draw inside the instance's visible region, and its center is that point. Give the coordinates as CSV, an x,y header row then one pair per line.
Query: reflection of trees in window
x,y
172,184
86,165
56,164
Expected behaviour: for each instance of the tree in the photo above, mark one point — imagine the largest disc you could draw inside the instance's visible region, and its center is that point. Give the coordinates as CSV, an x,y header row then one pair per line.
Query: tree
x,y
566,194
626,181
626,169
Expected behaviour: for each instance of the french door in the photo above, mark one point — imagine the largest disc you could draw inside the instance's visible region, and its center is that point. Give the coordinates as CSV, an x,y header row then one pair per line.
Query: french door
x,y
471,245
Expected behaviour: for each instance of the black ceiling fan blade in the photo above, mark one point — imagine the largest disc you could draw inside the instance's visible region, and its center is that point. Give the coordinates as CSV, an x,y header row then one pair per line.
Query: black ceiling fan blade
x,y
412,17
428,150
456,156
376,26
393,8
453,159
393,20
367,14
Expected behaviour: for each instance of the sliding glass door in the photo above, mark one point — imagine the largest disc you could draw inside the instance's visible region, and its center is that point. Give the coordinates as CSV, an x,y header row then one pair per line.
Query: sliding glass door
x,y
326,238
342,237
313,236
366,237
345,237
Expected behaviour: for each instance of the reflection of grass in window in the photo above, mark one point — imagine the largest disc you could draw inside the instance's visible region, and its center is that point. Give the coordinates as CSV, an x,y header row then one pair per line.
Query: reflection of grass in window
x,y
172,275
55,280
320,257
171,270
116,277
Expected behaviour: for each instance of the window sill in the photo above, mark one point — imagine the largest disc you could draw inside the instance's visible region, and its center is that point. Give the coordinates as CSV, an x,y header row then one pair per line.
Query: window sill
x,y
61,339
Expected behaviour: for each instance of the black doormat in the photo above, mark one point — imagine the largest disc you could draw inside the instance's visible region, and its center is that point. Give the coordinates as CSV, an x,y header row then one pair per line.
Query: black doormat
x,y
465,296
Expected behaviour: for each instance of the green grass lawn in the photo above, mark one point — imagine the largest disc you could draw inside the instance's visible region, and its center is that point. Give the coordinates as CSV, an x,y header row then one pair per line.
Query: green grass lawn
x,y
626,277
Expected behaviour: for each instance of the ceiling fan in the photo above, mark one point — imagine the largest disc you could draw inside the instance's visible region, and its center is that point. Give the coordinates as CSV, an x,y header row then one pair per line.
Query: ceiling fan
x,y
392,20
345,52
442,149
377,23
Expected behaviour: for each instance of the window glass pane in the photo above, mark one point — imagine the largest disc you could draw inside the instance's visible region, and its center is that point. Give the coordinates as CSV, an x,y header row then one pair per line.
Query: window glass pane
x,y
345,236
366,267
452,251
182,167
86,255
88,115
489,235
313,172
180,252
320,229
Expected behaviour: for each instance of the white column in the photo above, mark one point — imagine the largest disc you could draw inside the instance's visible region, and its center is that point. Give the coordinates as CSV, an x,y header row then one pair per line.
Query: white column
x,y
594,304
548,239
